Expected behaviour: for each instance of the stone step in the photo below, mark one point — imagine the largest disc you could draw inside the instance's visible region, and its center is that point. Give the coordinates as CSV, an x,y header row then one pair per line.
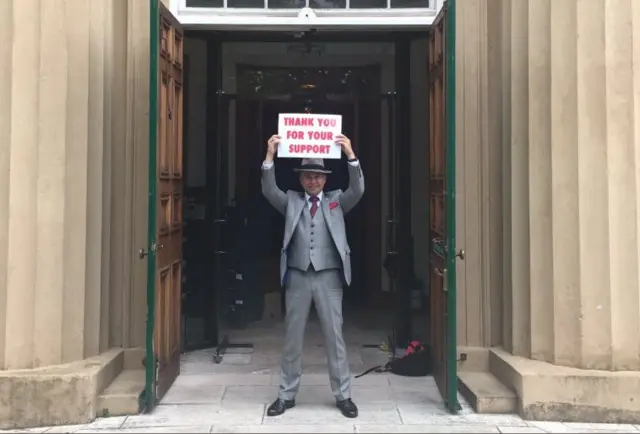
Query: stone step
x,y
486,393
122,396
134,358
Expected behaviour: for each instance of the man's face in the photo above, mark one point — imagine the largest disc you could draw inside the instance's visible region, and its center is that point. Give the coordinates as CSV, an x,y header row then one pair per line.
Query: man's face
x,y
313,183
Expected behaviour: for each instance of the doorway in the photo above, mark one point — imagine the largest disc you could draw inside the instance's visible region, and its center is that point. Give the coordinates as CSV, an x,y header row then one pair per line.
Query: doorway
x,y
238,283
254,230
247,233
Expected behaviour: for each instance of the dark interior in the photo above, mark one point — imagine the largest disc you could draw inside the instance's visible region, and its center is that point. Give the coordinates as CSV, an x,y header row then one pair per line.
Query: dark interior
x,y
232,254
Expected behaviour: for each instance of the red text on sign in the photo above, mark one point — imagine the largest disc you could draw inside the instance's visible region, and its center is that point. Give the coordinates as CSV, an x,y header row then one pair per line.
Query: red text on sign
x,y
311,135
316,149
292,121
327,122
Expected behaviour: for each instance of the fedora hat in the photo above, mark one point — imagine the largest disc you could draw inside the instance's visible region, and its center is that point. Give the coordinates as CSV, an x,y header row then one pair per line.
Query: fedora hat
x,y
312,165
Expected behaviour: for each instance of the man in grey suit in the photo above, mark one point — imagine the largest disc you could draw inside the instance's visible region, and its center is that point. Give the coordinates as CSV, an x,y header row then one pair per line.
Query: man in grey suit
x,y
314,261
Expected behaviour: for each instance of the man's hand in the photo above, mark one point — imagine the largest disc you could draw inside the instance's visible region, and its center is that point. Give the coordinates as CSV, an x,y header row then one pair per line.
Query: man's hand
x,y
345,144
272,147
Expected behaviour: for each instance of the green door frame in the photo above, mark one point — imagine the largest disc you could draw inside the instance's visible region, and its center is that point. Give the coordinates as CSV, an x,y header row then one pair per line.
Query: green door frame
x,y
148,400
450,206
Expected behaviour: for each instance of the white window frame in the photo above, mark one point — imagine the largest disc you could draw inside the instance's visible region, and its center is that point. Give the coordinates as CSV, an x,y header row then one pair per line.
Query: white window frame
x,y
301,19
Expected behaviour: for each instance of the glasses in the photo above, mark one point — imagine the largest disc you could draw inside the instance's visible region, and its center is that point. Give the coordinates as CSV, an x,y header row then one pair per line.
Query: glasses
x,y
313,176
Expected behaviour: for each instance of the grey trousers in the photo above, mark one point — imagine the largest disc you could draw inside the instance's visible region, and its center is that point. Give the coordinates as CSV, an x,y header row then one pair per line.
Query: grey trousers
x,y
325,289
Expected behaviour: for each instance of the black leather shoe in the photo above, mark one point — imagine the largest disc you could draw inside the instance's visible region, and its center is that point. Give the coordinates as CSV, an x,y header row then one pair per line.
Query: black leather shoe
x,y
279,406
347,408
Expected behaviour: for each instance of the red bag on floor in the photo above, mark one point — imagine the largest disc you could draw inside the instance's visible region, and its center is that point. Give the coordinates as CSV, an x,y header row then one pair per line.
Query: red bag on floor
x,y
415,363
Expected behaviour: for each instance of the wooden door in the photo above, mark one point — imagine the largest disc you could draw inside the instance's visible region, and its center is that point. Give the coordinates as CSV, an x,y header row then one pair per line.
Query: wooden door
x,y
166,192
442,288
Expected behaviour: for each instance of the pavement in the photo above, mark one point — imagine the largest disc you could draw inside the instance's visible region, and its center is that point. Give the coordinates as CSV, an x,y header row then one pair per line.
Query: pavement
x,y
205,419
231,397
388,403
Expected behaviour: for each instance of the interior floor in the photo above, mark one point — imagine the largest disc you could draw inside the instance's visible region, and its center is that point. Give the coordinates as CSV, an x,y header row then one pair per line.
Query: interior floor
x,y
250,377
366,333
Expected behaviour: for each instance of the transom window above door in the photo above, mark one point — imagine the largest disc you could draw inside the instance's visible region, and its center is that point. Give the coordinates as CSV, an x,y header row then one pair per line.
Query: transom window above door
x,y
314,4
308,83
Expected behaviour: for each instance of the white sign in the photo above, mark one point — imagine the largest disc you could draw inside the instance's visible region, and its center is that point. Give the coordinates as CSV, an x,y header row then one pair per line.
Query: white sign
x,y
306,135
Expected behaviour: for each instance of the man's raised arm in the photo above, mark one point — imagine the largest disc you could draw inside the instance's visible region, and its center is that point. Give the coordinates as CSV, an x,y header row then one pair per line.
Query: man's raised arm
x,y
355,191
276,197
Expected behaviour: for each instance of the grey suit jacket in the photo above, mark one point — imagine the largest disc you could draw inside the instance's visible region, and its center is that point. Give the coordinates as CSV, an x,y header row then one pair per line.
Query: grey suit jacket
x,y
291,204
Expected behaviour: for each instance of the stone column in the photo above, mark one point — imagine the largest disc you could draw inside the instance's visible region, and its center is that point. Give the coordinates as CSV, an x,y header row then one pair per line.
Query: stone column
x,y
572,104
52,78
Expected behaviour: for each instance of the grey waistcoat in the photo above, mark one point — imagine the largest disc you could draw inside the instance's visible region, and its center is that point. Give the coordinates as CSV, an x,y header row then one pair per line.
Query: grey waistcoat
x,y
312,244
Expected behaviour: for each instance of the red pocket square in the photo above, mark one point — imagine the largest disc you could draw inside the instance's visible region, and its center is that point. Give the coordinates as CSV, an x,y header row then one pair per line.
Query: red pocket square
x,y
333,205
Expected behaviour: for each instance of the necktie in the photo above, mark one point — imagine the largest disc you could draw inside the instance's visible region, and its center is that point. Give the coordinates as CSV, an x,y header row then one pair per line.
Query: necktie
x,y
314,205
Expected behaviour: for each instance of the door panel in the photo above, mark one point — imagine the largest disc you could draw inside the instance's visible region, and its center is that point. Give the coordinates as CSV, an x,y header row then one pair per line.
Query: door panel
x,y
221,239
368,145
165,208
250,226
249,151
442,288
392,256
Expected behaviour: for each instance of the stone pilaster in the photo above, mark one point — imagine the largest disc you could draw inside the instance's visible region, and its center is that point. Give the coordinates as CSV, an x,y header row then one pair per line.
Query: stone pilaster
x,y
51,180
572,111
479,173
